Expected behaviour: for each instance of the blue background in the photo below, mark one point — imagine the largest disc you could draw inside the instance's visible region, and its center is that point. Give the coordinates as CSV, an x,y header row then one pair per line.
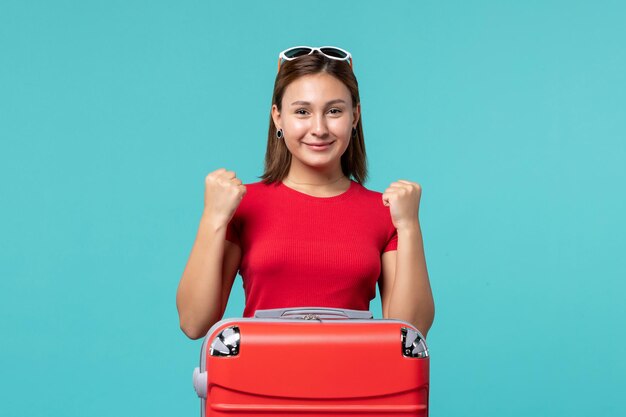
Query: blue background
x,y
511,115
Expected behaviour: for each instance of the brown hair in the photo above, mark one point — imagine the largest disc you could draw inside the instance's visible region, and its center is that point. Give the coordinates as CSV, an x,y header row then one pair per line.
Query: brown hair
x,y
277,156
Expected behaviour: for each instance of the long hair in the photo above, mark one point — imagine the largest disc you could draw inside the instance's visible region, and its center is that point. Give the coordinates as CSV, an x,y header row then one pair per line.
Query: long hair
x,y
277,156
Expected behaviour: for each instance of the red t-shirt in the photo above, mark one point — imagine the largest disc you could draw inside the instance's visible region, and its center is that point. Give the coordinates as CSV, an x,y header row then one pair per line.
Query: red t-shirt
x,y
303,251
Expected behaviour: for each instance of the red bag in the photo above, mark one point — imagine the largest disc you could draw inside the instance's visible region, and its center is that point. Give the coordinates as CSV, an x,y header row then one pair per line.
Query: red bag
x,y
314,362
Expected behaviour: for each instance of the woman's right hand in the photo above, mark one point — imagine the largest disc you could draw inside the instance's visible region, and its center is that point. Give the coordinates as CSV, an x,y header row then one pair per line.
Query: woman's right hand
x,y
222,194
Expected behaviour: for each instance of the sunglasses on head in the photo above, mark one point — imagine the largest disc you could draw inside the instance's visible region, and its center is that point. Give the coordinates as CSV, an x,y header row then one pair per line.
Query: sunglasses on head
x,y
331,52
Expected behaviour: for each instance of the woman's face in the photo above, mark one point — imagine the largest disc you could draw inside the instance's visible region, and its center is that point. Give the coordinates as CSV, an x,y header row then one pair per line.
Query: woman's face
x,y
317,110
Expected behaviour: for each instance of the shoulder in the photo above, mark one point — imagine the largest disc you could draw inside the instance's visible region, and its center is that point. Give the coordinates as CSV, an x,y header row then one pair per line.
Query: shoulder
x,y
372,201
259,187
369,195
363,189
256,193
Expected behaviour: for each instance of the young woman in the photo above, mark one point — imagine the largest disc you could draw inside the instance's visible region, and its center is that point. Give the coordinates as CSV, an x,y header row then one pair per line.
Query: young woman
x,y
308,235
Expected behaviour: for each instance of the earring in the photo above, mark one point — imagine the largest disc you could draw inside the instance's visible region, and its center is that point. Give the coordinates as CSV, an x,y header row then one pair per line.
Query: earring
x,y
354,132
279,134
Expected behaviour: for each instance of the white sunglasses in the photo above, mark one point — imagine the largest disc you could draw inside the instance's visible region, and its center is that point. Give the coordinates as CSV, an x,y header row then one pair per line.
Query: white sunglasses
x,y
331,52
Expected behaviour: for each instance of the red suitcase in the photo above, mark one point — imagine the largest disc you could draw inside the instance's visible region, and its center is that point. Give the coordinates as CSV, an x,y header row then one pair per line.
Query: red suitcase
x,y
314,362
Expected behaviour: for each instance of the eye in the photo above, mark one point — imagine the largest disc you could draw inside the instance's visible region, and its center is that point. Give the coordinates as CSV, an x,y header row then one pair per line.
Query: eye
x,y
332,111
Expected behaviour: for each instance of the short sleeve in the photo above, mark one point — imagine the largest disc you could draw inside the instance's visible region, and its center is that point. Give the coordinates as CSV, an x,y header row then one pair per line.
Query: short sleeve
x,y
392,243
232,234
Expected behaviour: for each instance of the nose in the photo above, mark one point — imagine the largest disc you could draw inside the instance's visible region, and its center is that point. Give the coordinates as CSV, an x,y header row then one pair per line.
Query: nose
x,y
319,127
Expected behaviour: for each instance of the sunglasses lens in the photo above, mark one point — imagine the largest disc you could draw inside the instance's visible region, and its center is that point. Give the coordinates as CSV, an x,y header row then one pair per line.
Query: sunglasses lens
x,y
296,52
334,52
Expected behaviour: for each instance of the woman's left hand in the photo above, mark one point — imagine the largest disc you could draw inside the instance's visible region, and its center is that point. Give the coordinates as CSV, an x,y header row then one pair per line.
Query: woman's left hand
x,y
403,199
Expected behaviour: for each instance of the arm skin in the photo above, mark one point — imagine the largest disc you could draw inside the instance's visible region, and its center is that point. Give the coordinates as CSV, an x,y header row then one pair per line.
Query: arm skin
x,y
207,280
405,287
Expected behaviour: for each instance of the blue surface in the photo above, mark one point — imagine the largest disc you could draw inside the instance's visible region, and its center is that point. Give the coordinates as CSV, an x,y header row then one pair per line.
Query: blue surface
x,y
509,114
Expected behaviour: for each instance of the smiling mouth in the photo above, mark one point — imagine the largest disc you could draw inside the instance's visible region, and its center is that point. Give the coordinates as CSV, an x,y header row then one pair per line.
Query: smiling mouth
x,y
321,145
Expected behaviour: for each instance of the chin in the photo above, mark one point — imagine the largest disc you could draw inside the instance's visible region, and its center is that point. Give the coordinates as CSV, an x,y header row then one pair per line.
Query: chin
x,y
318,163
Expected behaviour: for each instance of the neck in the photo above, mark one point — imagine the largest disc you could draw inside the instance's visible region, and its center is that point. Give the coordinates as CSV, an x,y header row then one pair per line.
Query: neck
x,y
316,183
307,176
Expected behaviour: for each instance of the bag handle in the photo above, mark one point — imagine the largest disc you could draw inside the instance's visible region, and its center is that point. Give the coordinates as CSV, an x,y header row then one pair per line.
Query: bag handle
x,y
315,313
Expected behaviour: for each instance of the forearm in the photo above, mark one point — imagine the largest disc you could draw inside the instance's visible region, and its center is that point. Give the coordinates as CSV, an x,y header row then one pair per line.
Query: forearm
x,y
198,298
411,296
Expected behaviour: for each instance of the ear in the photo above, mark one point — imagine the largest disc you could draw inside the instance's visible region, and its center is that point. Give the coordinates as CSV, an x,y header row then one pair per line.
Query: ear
x,y
356,114
276,116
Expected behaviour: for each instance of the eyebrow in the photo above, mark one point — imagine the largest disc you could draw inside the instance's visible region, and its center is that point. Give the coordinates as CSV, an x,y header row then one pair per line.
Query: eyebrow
x,y
306,103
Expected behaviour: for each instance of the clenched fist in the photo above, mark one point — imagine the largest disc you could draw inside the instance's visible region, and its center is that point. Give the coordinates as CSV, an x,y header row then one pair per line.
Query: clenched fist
x,y
403,199
222,195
